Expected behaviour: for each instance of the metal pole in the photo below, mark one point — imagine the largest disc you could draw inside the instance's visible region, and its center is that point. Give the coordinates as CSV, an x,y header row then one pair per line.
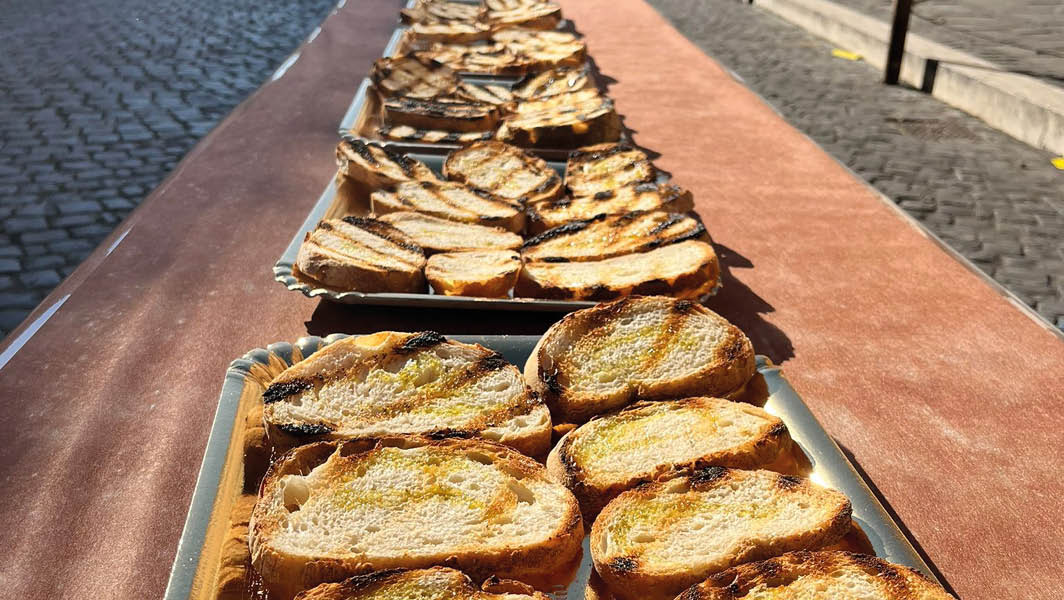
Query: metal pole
x,y
897,40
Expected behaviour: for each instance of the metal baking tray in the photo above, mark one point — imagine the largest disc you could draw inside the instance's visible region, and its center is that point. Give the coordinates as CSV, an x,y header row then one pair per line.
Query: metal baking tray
x,y
343,199
221,478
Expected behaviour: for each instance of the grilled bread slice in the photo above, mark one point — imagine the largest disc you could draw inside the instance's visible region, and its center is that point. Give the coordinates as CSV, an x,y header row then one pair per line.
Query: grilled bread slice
x,y
606,167
505,171
569,120
330,510
405,133
436,583
491,58
488,93
606,236
451,201
818,575
657,540
398,383
533,15
363,255
560,80
639,348
412,77
541,50
658,440
377,166
454,32
481,273
440,235
640,196
686,270
445,114
441,11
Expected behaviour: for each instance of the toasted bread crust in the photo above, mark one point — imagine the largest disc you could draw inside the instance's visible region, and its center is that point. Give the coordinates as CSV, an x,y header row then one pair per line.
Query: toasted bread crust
x,y
443,579
898,582
633,578
605,167
553,82
594,491
286,574
731,366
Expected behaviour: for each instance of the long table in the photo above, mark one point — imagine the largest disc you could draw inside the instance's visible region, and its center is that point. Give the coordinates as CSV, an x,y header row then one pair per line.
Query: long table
x,y
944,391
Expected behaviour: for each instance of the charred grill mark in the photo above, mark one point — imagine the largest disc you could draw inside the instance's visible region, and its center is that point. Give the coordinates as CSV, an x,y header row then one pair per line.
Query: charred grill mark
x,y
359,582
606,195
550,182
384,231
404,162
673,219
362,149
707,476
647,186
696,233
305,429
769,569
279,391
456,111
735,349
490,363
567,229
600,292
623,565
554,259
550,381
445,434
777,430
580,156
787,483
420,341
682,306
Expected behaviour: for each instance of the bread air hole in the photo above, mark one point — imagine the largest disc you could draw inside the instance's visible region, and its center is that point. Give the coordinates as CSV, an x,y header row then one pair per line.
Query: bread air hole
x,y
524,495
295,492
643,538
480,457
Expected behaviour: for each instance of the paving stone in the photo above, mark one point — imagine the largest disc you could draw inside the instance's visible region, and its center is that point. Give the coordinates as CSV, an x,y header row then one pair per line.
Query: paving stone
x,y
45,278
95,97
989,196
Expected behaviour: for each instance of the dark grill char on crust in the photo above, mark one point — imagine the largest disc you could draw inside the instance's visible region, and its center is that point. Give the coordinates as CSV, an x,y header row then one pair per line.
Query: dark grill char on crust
x,y
896,582
605,236
377,165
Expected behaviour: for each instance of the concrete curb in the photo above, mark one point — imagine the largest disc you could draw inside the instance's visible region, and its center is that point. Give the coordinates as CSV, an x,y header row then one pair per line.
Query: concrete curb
x,y
1021,106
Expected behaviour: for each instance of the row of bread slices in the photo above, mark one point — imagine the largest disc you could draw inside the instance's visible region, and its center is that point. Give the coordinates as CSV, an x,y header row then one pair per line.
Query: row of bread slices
x,y
422,100
464,22
420,455
556,106
502,220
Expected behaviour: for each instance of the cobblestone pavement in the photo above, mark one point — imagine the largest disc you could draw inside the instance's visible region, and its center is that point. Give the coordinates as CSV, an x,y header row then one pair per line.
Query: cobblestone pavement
x,y
997,201
1026,36
98,102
